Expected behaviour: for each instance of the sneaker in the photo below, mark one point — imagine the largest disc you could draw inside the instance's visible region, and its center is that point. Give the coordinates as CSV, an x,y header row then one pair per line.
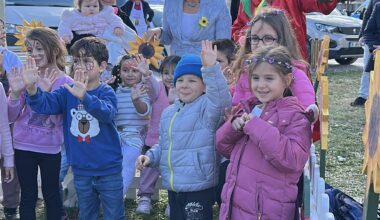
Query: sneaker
x,y
167,211
359,101
144,206
11,214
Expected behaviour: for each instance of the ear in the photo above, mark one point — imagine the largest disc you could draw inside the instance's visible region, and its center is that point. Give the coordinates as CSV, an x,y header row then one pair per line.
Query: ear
x,y
288,79
102,66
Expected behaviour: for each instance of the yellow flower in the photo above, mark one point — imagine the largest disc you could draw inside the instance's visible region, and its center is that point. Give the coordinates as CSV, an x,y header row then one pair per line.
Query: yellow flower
x,y
203,22
151,50
22,30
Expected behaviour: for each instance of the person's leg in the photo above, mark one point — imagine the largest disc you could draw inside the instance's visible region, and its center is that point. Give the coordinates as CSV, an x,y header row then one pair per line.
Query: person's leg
x,y
50,165
148,179
199,204
11,193
177,205
364,82
27,169
130,155
110,189
88,200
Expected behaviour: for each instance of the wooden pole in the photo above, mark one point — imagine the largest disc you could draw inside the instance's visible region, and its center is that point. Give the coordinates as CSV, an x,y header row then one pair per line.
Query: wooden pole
x,y
2,10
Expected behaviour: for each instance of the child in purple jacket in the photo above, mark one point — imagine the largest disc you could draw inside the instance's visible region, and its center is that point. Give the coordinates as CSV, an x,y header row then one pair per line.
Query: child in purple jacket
x,y
267,140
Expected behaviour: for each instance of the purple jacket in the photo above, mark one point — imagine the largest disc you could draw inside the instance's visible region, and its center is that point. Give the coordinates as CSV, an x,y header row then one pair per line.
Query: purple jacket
x,y
266,160
36,132
301,87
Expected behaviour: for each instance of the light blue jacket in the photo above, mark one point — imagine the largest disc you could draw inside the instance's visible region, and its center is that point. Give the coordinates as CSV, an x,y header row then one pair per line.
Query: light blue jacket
x,y
219,26
186,153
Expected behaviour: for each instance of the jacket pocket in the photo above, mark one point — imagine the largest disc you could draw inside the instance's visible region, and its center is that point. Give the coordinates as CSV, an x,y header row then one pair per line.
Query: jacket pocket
x,y
198,167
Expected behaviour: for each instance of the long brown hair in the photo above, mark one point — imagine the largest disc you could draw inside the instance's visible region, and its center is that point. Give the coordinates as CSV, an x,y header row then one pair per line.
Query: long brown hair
x,y
279,21
51,43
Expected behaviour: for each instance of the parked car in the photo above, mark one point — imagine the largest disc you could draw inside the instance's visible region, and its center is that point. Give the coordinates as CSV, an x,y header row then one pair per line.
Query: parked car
x,y
47,11
343,32
358,13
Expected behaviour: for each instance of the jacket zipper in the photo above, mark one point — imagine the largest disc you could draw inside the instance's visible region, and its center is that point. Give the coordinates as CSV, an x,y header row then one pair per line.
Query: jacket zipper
x,y
259,207
170,148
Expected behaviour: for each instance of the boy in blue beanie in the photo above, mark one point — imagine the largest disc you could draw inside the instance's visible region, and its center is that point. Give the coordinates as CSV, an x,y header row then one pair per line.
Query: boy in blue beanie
x,y
186,150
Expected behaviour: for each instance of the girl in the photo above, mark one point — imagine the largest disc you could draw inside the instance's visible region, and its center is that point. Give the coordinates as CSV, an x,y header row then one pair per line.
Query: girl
x,y
90,17
6,147
272,27
267,140
166,96
134,110
38,138
140,13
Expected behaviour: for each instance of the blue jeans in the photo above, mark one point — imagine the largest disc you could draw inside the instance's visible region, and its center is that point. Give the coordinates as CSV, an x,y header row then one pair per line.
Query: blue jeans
x,y
95,190
364,83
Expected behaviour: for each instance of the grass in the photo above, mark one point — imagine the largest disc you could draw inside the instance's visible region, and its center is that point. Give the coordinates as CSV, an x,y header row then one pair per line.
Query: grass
x,y
345,141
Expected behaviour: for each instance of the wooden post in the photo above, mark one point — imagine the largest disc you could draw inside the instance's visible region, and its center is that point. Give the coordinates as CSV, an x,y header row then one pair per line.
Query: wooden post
x,y
2,10
371,140
323,118
323,58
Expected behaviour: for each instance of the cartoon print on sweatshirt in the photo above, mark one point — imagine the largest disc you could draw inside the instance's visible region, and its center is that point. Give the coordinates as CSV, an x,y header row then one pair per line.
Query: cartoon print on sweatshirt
x,y
83,124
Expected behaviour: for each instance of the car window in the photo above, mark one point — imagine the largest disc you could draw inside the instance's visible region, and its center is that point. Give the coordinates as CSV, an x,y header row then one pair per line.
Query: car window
x,y
66,3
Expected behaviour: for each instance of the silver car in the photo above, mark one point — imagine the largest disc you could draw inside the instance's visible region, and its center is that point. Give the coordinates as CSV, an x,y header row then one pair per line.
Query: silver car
x,y
343,32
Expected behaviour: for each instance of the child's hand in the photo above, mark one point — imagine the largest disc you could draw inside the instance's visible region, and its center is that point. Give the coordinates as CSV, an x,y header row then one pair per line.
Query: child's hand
x,y
110,81
15,83
314,110
9,174
239,123
118,31
1,63
141,65
142,162
227,72
47,79
30,75
138,91
154,32
208,53
80,84
227,113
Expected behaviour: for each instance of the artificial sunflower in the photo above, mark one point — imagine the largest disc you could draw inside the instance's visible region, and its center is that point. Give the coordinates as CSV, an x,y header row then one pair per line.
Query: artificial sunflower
x,y
203,22
151,51
22,30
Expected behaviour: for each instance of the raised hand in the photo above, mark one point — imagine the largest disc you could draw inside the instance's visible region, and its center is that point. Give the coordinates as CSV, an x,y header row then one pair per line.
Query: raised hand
x,y
110,80
239,123
30,74
141,65
137,91
154,32
47,79
142,162
15,83
9,174
79,88
208,53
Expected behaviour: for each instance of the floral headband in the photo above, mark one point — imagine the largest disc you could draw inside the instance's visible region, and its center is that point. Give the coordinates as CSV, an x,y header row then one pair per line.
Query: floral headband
x,y
269,60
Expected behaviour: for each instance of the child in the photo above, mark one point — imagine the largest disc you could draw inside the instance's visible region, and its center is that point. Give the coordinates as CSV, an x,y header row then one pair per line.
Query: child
x,y
133,111
186,150
272,27
11,189
226,54
267,140
6,147
140,13
38,138
166,96
91,139
90,17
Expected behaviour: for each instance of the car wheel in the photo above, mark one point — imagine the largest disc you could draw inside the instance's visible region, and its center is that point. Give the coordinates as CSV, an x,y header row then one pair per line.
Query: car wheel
x,y
346,61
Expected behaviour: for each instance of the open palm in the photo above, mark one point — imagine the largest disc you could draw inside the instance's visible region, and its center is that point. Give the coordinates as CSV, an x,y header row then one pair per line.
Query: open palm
x,y
15,81
208,53
30,73
79,87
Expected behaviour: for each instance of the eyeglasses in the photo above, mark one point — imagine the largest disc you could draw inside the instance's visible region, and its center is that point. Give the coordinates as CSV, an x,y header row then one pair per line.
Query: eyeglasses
x,y
267,39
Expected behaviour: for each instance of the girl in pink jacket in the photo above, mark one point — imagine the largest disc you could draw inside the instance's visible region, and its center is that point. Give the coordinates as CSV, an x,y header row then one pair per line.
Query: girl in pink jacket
x,y
267,140
272,27
6,148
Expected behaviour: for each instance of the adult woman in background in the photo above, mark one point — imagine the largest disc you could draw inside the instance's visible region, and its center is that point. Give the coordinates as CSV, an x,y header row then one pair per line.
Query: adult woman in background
x,y
187,22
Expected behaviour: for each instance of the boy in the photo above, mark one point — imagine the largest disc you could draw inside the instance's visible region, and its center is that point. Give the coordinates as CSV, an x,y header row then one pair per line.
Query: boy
x,y
91,140
186,149
226,54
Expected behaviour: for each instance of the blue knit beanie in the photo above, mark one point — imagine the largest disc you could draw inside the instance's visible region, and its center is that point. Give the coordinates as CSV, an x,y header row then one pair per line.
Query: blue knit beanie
x,y
189,64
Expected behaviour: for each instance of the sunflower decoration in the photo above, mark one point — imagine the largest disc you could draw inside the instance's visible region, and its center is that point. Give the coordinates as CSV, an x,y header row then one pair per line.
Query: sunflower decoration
x,y
22,30
203,22
151,51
